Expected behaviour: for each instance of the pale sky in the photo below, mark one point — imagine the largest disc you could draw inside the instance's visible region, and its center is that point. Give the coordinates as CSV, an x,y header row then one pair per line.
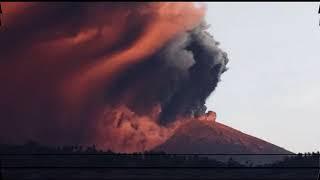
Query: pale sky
x,y
272,87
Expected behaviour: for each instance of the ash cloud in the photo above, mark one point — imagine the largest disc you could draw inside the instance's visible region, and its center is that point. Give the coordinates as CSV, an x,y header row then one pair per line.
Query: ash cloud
x,y
180,77
122,76
202,77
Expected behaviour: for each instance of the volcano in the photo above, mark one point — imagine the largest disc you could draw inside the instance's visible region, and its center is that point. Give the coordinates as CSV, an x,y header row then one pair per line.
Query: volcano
x,y
205,136
74,75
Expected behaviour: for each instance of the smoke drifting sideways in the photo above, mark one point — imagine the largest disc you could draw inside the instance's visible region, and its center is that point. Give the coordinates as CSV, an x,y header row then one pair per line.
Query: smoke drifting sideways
x,y
122,76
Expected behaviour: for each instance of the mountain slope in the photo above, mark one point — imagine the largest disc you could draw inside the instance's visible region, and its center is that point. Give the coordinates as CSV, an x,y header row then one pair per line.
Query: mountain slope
x,y
209,137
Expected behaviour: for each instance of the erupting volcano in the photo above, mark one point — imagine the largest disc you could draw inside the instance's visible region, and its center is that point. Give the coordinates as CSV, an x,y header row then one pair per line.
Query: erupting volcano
x,y
123,76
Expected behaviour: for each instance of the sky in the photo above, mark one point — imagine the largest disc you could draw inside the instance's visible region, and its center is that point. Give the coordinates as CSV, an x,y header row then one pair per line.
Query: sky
x,y
272,87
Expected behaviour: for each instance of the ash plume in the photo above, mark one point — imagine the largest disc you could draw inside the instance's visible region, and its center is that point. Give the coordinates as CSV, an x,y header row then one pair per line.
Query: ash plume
x,y
122,76
202,77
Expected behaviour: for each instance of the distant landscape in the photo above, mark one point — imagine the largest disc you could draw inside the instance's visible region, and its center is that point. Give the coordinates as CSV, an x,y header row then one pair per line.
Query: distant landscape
x,y
33,160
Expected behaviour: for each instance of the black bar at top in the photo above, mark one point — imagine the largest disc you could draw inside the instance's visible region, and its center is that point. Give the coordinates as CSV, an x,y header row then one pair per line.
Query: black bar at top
x,y
150,167
102,154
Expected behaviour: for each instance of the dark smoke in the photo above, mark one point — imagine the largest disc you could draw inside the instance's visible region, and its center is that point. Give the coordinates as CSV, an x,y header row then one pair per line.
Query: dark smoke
x,y
118,75
203,77
180,77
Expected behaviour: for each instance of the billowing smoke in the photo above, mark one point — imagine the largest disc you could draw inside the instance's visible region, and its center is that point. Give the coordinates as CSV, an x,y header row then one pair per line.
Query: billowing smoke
x,y
122,76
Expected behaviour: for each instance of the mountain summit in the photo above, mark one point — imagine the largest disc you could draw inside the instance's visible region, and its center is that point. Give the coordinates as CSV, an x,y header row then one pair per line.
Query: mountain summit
x,y
203,135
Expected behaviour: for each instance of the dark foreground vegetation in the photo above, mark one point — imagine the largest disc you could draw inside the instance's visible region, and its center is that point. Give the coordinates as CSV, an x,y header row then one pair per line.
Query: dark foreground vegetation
x,y
33,161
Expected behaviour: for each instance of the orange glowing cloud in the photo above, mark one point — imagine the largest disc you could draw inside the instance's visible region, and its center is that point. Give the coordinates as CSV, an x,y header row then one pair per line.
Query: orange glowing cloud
x,y
170,20
59,62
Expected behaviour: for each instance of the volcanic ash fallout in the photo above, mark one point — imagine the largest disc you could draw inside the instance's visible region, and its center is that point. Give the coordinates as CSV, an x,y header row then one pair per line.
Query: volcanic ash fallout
x,y
122,76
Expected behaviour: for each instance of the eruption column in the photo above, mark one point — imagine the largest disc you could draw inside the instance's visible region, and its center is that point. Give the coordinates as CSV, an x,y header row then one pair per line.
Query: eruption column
x,y
122,76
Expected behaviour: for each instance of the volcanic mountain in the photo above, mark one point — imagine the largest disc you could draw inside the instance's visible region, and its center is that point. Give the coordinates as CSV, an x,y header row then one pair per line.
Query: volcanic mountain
x,y
205,136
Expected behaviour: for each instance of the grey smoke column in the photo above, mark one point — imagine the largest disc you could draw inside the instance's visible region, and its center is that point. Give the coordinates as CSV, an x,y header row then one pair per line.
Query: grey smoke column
x,y
180,77
203,76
